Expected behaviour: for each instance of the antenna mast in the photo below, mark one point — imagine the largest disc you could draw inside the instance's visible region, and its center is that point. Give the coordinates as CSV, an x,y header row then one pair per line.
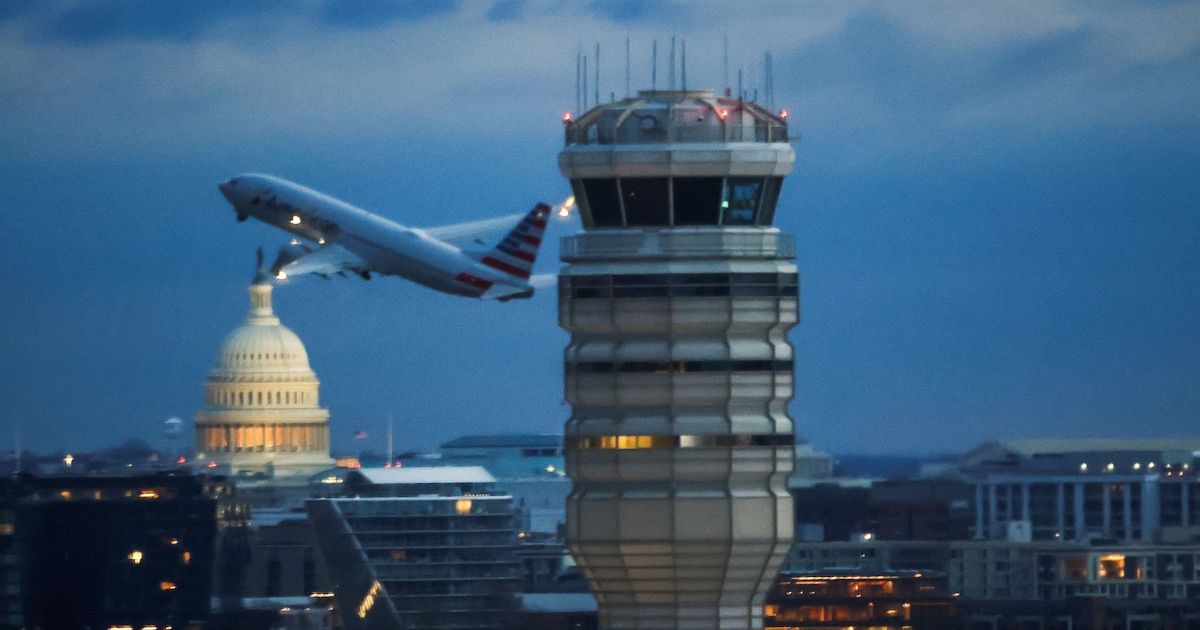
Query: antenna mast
x,y
626,67
389,444
725,76
597,73
769,82
654,66
683,64
671,72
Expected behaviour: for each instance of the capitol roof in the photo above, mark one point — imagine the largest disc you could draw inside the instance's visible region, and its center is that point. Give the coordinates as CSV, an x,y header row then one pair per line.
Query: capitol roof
x,y
262,343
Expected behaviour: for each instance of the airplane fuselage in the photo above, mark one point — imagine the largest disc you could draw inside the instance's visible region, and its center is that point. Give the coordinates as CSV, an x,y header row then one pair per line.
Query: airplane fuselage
x,y
384,246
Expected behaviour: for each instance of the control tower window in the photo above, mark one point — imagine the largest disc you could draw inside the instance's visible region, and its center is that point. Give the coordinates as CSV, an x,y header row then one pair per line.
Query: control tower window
x,y
603,202
741,200
697,200
646,201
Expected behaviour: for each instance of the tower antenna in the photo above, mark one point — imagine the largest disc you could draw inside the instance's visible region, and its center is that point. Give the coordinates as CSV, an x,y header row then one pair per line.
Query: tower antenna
x,y
597,73
769,82
683,64
725,75
671,72
654,66
626,67
585,83
578,75
389,442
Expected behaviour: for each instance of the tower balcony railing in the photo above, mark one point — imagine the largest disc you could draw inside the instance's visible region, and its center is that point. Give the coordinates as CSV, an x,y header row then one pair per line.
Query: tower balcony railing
x,y
675,133
678,243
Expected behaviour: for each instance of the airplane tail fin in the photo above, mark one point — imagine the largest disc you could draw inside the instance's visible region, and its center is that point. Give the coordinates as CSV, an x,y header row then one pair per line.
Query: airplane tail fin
x,y
514,255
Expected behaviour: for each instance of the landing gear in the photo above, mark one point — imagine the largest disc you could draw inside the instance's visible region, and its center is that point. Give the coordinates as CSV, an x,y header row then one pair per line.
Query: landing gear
x,y
365,274
242,217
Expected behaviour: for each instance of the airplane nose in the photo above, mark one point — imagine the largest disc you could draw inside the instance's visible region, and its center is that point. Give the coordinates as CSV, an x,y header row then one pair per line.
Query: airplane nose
x,y
228,189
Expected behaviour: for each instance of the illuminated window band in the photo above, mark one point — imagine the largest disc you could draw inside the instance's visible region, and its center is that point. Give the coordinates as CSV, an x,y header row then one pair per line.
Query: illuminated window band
x,y
660,285
679,441
679,367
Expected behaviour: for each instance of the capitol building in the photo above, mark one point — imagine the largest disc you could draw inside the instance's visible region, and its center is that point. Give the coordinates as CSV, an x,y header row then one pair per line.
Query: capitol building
x,y
262,411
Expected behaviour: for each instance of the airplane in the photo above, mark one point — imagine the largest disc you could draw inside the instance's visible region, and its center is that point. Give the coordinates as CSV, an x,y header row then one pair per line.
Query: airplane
x,y
347,238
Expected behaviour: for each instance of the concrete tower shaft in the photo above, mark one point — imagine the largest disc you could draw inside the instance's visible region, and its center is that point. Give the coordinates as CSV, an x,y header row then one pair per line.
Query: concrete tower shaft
x,y
678,298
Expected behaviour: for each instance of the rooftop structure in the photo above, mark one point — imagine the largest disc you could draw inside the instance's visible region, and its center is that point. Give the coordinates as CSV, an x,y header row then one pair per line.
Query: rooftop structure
x,y
420,548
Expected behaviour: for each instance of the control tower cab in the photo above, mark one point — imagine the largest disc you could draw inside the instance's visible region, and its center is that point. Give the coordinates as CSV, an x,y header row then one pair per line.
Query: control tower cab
x,y
678,297
676,159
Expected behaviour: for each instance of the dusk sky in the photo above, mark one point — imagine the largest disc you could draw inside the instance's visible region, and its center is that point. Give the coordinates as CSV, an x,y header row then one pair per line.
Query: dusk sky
x,y
996,206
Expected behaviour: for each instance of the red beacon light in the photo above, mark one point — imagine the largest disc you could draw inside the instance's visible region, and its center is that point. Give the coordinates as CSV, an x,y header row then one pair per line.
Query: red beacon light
x,y
722,113
783,114
566,117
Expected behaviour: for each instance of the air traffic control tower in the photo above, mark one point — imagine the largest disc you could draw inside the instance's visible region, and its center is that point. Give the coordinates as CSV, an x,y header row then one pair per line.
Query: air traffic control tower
x,y
678,297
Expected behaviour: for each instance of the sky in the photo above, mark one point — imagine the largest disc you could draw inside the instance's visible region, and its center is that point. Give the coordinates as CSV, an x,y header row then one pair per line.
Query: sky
x,y
996,206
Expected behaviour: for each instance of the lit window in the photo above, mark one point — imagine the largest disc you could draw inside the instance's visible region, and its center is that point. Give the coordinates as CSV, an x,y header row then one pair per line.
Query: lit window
x,y
187,557
463,506
148,493
166,586
135,556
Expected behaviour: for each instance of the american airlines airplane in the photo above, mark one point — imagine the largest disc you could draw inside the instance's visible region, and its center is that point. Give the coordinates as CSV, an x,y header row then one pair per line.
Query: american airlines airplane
x,y
347,238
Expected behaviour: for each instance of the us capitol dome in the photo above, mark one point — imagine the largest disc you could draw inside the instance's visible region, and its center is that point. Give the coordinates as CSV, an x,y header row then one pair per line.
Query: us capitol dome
x,y
261,407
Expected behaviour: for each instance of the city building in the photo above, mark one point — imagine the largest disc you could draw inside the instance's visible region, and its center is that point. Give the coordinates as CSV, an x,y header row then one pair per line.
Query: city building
x,y
529,467
1046,533
845,600
261,415
415,547
678,297
1084,489
105,551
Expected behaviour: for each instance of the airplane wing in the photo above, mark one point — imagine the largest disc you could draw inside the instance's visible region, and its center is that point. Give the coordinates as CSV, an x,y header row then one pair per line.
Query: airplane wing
x,y
475,233
327,260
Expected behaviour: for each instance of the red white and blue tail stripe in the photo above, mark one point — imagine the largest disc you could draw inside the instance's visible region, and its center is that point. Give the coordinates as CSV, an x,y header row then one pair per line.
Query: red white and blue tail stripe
x,y
516,253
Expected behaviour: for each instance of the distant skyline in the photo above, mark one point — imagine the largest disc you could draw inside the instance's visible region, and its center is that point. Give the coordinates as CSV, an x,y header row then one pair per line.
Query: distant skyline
x,y
996,206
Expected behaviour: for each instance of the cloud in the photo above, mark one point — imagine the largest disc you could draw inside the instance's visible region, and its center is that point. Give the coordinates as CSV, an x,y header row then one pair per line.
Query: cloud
x,y
506,11
639,11
916,75
371,14
96,21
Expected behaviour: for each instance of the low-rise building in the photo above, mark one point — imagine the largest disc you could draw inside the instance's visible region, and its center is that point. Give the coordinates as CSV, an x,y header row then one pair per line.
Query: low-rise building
x,y
420,548
101,552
